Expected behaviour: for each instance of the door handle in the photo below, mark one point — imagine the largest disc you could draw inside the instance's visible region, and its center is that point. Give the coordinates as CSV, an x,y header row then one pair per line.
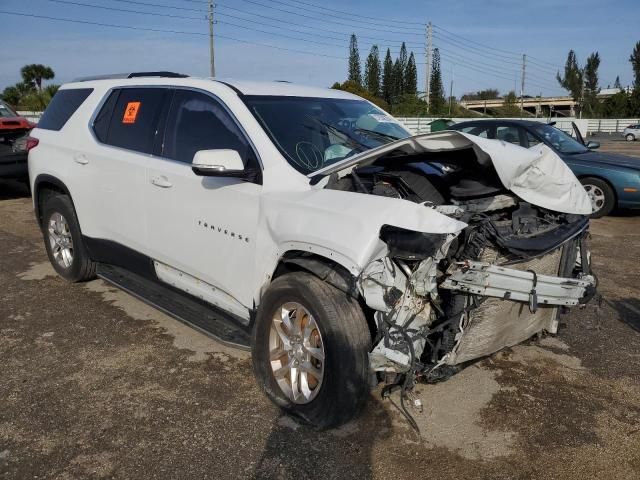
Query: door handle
x,y
81,159
161,181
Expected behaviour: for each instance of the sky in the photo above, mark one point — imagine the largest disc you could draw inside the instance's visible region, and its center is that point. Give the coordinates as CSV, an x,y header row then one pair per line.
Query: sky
x,y
481,42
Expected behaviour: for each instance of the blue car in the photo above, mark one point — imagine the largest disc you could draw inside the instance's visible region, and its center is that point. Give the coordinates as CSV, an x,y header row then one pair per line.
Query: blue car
x,y
611,180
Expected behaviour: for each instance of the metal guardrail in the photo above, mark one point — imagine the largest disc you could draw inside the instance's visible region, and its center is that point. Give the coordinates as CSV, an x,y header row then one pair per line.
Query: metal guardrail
x,y
31,116
418,125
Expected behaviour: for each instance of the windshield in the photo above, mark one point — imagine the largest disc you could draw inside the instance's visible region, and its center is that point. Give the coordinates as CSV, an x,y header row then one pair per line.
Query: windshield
x,y
559,139
315,132
5,111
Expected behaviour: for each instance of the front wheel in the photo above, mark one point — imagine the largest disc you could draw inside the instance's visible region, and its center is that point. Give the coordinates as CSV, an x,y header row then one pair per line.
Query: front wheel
x,y
630,137
310,350
602,197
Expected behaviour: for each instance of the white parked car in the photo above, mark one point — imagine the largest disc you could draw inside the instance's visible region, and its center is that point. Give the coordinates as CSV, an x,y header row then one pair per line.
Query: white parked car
x,y
631,133
308,225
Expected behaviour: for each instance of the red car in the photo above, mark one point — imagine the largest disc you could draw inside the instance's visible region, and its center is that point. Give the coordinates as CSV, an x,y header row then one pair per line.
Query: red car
x,y
14,131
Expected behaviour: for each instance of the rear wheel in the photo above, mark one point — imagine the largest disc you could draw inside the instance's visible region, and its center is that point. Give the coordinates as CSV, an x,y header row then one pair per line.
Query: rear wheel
x,y
630,137
310,350
601,194
63,240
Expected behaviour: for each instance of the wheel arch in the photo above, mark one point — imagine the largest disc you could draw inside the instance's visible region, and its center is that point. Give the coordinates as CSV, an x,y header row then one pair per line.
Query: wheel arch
x,y
43,183
329,271
322,267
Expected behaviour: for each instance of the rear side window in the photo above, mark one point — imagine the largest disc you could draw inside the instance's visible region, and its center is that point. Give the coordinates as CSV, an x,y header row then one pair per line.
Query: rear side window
x,y
198,122
132,118
508,134
63,104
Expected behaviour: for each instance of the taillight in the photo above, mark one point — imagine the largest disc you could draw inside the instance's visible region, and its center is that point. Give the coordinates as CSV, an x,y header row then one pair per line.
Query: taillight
x,y
32,142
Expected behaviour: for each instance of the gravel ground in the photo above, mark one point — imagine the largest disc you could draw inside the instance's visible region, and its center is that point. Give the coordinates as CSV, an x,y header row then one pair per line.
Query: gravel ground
x,y
95,384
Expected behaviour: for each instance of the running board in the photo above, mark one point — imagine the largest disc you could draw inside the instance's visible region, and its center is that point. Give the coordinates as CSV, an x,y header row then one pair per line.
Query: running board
x,y
191,311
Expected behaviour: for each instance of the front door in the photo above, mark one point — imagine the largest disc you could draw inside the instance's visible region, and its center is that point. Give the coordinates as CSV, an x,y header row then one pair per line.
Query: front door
x,y
202,230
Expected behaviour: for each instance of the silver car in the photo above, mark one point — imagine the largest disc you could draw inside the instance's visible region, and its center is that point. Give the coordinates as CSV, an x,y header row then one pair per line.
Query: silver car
x,y
631,133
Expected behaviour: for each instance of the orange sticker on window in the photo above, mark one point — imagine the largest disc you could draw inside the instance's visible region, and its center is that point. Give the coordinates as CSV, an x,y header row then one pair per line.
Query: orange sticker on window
x,y
131,112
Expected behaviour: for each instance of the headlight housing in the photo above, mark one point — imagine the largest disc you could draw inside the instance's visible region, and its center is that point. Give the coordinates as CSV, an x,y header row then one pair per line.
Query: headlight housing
x,y
411,245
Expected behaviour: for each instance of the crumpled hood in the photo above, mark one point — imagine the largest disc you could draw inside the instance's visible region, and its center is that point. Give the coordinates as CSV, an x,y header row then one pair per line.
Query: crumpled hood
x,y
613,159
537,175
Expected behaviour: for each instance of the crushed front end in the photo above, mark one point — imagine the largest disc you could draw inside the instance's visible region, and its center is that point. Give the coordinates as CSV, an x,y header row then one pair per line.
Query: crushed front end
x,y
441,300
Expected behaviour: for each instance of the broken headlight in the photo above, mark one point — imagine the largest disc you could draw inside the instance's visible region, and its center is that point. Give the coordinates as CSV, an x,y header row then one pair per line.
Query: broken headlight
x,y
410,245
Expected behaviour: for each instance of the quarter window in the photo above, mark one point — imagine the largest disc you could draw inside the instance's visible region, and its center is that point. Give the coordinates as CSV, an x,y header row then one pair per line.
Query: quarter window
x,y
532,141
508,134
478,131
133,118
63,104
198,122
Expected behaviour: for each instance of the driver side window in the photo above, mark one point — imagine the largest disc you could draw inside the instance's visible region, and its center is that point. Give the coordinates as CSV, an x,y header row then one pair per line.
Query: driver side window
x,y
198,122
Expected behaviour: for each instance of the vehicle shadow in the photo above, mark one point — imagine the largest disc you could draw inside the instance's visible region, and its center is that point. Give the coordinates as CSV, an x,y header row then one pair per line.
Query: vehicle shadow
x,y
11,189
628,310
294,450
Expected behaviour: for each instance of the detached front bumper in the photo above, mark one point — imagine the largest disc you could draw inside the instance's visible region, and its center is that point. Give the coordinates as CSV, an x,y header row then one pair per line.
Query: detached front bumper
x,y
484,279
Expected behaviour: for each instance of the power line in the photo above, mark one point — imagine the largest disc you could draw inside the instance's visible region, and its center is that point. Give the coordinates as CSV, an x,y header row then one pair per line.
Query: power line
x,y
491,67
384,21
180,32
298,14
149,4
509,54
125,10
315,29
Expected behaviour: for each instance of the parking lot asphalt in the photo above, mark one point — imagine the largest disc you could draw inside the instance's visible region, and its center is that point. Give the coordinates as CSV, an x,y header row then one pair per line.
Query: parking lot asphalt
x,y
96,384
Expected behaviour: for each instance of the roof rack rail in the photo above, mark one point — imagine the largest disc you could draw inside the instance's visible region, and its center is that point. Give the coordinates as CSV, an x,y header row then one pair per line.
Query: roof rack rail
x,y
113,76
157,74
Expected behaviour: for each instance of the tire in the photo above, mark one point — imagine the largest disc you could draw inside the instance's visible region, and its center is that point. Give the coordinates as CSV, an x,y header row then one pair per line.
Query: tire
x,y
344,387
78,266
599,190
630,137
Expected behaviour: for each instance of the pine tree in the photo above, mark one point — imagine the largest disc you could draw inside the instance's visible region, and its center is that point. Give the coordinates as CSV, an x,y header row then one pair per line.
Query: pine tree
x,y
617,83
635,94
387,78
591,89
398,79
411,76
355,74
573,77
437,101
372,71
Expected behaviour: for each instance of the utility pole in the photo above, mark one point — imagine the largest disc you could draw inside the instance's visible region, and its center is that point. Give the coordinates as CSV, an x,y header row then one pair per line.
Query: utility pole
x,y
427,89
451,92
524,67
212,62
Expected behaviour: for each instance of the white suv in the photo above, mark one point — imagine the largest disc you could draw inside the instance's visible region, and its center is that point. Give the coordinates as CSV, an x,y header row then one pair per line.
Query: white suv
x,y
308,225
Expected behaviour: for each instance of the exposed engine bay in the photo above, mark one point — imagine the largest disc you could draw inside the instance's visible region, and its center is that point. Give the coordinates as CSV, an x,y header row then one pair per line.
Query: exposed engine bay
x,y
440,300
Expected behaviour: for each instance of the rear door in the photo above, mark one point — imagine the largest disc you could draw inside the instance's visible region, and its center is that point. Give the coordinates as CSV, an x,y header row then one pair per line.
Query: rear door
x,y
204,227
126,128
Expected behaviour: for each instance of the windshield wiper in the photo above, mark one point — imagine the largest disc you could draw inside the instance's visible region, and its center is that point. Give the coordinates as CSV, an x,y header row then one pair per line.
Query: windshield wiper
x,y
384,136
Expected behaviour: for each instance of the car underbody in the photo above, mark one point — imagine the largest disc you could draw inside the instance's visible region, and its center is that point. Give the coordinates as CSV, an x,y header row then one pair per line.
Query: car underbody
x,y
441,300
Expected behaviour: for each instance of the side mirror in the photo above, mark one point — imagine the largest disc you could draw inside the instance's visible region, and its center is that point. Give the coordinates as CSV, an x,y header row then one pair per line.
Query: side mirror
x,y
218,163
591,145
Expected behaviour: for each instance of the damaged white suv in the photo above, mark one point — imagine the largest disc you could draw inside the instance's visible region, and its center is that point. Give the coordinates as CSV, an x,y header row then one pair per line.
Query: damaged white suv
x,y
308,225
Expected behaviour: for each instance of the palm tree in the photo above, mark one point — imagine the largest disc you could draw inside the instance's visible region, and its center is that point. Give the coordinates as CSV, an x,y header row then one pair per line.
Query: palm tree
x,y
35,73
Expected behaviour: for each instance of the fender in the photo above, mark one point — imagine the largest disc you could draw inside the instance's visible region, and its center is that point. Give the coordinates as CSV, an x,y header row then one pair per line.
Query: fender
x,y
51,180
324,268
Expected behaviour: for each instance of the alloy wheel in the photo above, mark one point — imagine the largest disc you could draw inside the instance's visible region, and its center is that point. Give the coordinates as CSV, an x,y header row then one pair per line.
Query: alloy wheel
x,y
296,352
60,240
597,197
